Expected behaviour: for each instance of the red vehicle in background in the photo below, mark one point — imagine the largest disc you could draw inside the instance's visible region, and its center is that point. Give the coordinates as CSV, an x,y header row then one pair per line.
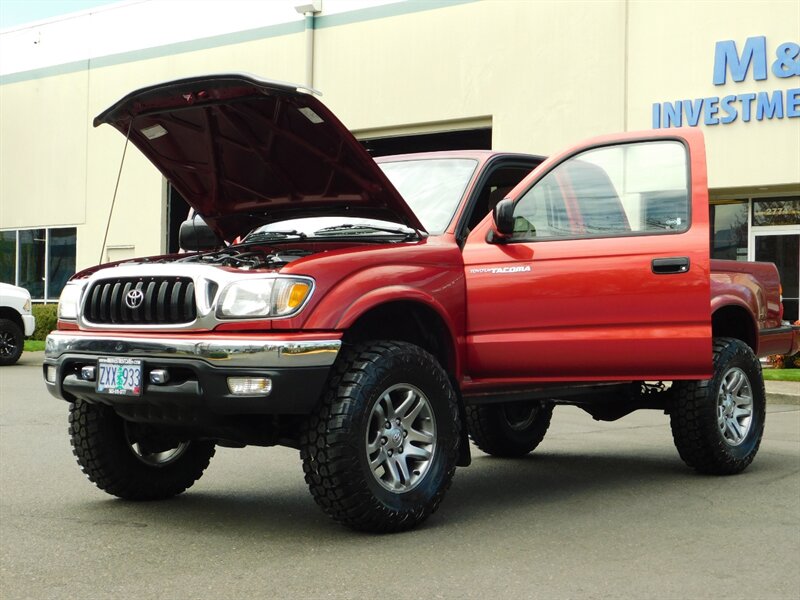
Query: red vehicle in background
x,y
377,315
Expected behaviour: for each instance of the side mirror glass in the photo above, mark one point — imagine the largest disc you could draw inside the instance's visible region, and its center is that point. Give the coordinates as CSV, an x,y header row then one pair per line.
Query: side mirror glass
x,y
195,235
504,218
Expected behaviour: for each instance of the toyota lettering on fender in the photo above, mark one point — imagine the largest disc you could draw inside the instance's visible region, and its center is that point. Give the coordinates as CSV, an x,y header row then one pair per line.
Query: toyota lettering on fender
x,y
496,270
376,315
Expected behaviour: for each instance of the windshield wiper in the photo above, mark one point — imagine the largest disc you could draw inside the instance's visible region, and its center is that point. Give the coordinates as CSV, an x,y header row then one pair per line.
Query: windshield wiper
x,y
358,229
263,236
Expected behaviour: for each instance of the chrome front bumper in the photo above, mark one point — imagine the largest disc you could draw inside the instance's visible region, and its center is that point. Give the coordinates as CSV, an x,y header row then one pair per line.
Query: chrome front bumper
x,y
227,352
197,389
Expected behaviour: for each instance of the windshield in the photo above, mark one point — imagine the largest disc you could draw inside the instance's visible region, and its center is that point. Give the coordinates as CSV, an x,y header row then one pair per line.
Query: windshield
x,y
431,187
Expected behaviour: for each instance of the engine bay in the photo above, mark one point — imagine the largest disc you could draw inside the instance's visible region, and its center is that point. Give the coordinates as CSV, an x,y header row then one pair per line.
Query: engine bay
x,y
248,257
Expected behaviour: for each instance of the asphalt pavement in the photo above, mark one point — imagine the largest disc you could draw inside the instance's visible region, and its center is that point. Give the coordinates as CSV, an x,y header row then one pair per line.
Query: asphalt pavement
x,y
600,510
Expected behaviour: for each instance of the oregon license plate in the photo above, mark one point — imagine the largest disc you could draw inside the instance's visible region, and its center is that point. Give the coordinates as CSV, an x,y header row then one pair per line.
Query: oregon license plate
x,y
120,376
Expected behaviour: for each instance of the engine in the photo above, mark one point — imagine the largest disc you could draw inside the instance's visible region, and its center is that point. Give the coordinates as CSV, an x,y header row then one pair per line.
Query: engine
x,y
248,257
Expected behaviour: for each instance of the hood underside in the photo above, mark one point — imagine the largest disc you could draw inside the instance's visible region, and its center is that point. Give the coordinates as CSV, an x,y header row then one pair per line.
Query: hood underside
x,y
244,152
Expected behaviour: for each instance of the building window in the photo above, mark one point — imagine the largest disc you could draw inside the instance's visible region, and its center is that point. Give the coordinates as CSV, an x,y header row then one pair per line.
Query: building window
x,y
776,211
784,252
32,244
40,260
8,256
729,230
61,250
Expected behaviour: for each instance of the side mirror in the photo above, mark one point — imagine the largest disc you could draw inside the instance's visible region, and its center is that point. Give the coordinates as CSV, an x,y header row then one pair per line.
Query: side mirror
x,y
195,235
503,216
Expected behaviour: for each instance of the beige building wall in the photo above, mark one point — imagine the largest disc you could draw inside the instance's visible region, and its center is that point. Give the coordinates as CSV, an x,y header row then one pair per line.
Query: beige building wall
x,y
671,57
511,62
43,149
544,74
65,171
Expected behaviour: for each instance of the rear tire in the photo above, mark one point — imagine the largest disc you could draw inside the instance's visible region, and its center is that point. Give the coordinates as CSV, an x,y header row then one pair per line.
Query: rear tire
x,y
133,461
717,424
509,430
11,342
381,451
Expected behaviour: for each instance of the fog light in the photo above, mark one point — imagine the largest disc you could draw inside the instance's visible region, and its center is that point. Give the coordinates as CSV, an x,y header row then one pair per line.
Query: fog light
x,y
159,376
250,386
50,375
88,373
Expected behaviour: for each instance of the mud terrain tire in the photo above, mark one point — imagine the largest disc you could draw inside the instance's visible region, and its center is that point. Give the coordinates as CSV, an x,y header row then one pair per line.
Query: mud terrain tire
x,y
381,451
130,462
717,424
509,430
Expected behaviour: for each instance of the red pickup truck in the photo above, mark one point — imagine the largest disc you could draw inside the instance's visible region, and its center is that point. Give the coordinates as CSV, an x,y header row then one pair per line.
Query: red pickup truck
x,y
378,314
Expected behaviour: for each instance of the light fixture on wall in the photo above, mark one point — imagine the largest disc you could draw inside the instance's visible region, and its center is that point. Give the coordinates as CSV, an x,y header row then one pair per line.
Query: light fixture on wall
x,y
314,6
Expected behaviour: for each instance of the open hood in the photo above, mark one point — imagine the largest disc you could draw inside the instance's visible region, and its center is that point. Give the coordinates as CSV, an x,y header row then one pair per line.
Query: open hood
x,y
245,151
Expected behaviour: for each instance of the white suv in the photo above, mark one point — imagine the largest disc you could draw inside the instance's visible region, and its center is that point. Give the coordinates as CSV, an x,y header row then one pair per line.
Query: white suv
x,y
16,322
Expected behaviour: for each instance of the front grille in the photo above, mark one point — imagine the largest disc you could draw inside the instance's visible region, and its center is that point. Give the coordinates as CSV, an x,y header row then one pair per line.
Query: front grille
x,y
164,301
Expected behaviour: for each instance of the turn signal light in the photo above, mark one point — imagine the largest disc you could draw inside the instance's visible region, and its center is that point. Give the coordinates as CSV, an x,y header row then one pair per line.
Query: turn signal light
x,y
297,294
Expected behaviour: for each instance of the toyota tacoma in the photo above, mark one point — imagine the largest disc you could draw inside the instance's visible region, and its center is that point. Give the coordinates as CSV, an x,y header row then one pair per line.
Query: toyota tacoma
x,y
377,314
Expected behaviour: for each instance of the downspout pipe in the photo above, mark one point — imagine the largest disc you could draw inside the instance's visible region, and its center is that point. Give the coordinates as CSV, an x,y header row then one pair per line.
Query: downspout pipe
x,y
309,11
309,49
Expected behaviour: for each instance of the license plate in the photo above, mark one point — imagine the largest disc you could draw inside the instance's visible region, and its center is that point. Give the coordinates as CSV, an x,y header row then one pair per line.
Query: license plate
x,y
120,376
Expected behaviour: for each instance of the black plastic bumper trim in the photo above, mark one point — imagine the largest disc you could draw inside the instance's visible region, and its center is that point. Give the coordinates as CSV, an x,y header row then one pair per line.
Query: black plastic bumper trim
x,y
195,387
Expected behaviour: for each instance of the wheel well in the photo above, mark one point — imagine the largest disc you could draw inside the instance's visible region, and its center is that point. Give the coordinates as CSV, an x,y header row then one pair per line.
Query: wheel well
x,y
735,322
422,326
409,322
11,315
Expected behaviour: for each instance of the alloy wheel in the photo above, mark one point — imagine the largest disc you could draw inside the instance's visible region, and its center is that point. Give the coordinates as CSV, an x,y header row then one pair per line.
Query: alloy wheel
x,y
734,407
401,438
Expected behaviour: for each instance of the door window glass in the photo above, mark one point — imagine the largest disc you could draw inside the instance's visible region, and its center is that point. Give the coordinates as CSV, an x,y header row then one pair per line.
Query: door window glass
x,y
629,189
542,212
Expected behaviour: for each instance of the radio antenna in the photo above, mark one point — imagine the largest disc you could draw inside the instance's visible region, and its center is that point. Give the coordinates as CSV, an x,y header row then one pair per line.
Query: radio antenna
x,y
116,188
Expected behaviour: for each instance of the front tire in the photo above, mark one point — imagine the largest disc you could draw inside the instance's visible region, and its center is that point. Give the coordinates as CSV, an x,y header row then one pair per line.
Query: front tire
x,y
132,461
717,424
11,342
381,452
510,429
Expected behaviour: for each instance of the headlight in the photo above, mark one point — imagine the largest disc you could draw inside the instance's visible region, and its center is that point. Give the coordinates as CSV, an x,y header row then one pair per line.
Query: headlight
x,y
69,301
263,297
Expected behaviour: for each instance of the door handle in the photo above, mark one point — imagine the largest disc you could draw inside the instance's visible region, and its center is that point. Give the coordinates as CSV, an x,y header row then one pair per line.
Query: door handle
x,y
668,266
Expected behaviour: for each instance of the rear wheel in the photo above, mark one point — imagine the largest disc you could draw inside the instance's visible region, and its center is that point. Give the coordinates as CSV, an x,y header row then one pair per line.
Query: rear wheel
x,y
509,429
717,424
11,342
130,460
381,452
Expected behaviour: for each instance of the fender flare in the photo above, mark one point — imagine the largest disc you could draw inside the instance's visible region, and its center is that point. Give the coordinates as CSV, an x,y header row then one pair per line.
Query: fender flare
x,y
400,293
727,301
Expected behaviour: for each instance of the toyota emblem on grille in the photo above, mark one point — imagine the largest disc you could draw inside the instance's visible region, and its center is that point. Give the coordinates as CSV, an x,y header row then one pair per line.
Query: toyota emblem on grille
x,y
134,299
